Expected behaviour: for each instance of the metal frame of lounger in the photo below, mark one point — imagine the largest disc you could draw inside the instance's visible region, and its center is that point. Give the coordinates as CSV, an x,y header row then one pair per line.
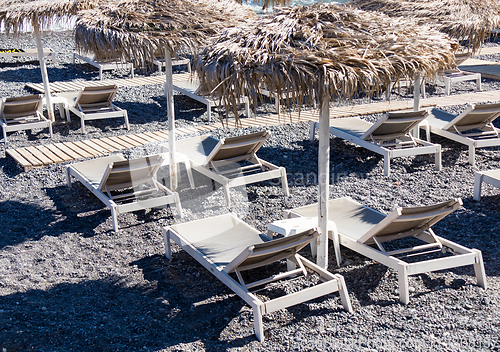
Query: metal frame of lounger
x,y
94,103
209,156
22,113
389,136
492,177
359,227
103,65
451,126
224,244
109,176
190,87
47,52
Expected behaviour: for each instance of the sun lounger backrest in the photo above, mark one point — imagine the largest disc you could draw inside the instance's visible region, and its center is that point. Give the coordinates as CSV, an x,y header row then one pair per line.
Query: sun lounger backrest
x,y
92,97
405,222
394,125
241,147
129,173
476,116
13,108
461,57
272,251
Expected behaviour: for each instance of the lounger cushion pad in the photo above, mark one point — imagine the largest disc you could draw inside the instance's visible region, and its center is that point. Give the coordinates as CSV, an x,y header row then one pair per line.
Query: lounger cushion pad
x,y
353,126
351,218
222,240
94,169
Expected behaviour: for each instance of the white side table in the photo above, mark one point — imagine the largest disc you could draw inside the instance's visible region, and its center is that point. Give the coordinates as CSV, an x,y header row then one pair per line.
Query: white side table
x,y
295,225
288,227
179,158
63,105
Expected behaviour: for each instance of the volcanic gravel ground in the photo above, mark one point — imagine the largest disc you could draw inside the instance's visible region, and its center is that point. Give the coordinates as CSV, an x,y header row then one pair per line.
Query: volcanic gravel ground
x,y
69,283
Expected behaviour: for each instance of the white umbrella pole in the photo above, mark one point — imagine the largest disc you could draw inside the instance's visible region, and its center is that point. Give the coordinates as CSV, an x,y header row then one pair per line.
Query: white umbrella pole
x,y
169,95
323,184
43,68
416,101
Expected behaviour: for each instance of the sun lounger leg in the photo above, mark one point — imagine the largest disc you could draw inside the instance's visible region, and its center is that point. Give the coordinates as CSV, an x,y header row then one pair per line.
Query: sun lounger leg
x,y
50,129
114,217
284,182
404,293
4,136
247,108
437,159
209,112
333,234
68,177
312,129
478,83
472,155
178,204
344,296
126,120
387,164
166,240
478,180
226,194
100,73
479,270
257,322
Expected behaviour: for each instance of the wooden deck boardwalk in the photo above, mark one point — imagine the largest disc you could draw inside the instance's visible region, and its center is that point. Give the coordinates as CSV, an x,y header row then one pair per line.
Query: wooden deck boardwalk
x,y
68,86
39,156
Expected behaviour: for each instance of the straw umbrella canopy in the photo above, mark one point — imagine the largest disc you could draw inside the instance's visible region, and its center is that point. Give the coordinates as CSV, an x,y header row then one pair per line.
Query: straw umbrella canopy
x,y
137,29
323,50
40,14
474,20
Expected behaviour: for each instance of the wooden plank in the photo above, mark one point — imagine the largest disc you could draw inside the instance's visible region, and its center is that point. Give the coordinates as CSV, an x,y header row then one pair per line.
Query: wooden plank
x,y
154,137
111,143
53,157
39,155
95,146
68,151
87,148
162,135
122,143
138,139
19,159
146,137
77,150
129,140
104,145
29,157
60,153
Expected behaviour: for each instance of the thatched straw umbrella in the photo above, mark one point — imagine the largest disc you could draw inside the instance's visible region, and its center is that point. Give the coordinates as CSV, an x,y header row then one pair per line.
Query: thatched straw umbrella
x,y
323,50
474,20
40,14
136,29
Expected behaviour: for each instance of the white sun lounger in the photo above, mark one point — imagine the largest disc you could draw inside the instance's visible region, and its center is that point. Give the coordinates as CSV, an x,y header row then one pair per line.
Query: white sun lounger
x,y
22,113
473,127
492,177
105,65
389,136
159,62
364,230
225,245
457,75
28,52
124,185
94,103
221,160
191,88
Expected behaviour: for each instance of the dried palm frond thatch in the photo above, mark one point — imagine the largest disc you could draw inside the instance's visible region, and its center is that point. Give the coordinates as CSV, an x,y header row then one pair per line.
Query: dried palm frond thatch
x,y
473,20
266,3
43,13
323,48
136,29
